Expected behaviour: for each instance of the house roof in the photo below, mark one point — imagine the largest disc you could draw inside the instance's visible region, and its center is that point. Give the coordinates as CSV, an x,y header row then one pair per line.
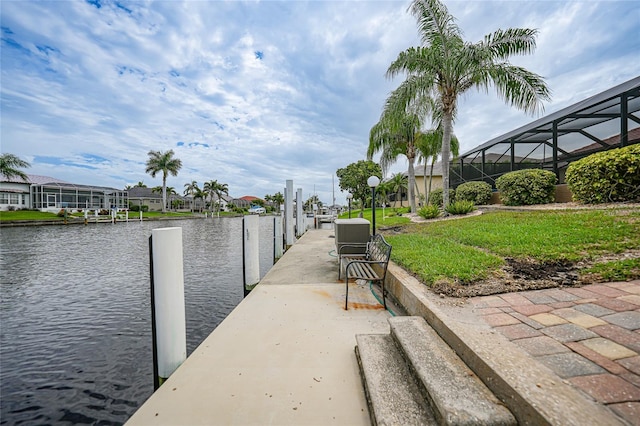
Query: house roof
x,y
32,179
143,192
249,198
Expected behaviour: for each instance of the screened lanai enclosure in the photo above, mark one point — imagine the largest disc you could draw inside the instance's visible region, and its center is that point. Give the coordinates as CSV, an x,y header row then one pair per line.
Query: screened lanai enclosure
x,y
608,120
58,195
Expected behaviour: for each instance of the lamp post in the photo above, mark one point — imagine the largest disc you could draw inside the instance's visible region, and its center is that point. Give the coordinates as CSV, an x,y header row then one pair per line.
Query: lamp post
x,y
349,197
373,181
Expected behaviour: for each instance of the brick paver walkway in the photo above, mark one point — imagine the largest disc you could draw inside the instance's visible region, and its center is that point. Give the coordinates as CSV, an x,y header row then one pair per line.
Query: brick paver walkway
x,y
589,336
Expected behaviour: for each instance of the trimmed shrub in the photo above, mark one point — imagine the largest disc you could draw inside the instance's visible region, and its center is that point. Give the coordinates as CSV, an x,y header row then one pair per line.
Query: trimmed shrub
x,y
605,177
478,192
527,187
435,198
429,212
460,207
137,208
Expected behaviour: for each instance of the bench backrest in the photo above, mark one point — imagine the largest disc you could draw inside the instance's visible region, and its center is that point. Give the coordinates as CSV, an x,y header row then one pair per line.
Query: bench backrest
x,y
378,249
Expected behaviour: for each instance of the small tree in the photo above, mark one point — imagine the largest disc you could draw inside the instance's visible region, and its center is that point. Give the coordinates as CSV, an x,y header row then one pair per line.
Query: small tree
x,y
353,178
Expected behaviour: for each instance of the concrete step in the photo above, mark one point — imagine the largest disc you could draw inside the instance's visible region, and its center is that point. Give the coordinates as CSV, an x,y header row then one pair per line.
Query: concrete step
x,y
456,395
392,393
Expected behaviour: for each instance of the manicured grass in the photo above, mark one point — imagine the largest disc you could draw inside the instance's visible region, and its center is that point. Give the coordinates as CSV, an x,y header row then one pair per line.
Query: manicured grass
x,y
390,217
436,258
618,270
469,248
27,215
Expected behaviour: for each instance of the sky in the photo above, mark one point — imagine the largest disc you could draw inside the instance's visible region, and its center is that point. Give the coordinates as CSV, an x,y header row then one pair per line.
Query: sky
x,y
255,93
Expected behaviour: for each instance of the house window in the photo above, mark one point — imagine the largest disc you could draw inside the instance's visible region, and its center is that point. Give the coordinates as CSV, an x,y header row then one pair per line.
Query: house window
x,y
4,198
13,199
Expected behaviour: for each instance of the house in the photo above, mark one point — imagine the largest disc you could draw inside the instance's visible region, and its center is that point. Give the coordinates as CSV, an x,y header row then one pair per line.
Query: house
x,y
50,194
246,201
143,196
421,175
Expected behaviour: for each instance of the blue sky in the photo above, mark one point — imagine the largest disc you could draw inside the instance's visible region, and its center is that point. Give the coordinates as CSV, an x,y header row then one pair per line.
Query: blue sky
x,y
254,93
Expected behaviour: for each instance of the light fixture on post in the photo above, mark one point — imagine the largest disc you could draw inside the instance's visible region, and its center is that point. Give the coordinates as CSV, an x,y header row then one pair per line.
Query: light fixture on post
x,y
349,197
373,181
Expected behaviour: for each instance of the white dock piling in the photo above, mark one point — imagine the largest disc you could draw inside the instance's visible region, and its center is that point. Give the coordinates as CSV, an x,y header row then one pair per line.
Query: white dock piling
x,y
167,302
299,213
251,251
278,249
288,213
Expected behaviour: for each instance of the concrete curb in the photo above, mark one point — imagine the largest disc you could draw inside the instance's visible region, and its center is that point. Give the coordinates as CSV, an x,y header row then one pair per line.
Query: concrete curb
x,y
533,393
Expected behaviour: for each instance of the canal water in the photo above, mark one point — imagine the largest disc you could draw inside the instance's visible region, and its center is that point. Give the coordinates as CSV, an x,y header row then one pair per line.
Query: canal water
x,y
75,329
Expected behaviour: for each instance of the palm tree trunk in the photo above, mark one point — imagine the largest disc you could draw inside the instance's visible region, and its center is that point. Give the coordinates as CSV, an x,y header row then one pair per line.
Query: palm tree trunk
x,y
430,177
424,178
164,193
447,120
411,185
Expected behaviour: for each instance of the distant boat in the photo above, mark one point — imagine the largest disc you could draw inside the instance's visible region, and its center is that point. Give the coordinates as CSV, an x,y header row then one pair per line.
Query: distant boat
x,y
257,210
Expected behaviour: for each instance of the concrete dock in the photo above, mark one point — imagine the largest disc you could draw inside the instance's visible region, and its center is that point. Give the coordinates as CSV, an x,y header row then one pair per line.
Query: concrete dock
x,y
285,355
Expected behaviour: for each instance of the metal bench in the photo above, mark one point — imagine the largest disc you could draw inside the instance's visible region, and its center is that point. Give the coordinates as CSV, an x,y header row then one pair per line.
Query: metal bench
x,y
361,266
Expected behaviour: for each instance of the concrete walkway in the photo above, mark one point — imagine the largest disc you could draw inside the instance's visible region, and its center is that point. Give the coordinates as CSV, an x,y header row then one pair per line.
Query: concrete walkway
x,y
588,336
285,355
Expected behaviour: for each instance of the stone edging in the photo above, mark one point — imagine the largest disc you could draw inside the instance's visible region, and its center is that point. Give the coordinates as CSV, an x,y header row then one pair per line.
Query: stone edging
x,y
533,393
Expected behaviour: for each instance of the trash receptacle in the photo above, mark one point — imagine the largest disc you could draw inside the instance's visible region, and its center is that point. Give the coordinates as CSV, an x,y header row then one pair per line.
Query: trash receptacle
x,y
352,232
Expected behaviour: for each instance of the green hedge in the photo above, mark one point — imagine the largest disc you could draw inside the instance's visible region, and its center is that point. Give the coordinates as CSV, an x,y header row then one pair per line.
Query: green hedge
x,y
526,187
477,192
136,208
605,177
435,198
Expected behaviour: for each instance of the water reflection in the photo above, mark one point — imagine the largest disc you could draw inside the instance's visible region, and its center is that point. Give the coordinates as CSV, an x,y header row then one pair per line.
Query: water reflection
x,y
75,339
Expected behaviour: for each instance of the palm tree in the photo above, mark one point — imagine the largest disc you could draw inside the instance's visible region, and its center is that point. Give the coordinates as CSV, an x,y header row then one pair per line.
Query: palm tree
x,y
201,195
140,185
278,199
397,183
163,162
395,134
429,146
10,164
445,66
213,187
171,192
191,189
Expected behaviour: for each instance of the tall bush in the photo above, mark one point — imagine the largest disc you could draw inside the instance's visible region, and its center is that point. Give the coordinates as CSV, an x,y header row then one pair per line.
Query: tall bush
x,y
477,192
435,198
526,187
604,177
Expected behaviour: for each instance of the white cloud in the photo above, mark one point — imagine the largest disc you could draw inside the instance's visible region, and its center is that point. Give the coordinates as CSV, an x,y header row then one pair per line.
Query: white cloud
x,y
263,91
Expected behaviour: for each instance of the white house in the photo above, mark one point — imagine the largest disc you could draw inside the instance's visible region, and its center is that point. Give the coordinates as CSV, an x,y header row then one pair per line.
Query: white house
x,y
50,194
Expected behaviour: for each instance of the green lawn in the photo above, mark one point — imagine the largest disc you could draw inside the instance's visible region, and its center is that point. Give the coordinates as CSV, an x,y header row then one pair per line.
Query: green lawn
x,y
27,215
389,218
470,248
